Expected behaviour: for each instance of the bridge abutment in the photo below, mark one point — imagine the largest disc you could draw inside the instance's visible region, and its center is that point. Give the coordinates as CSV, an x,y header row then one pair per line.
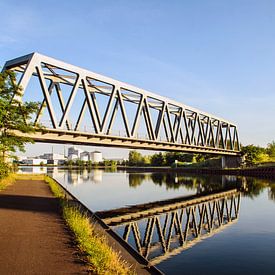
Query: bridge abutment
x,y
231,162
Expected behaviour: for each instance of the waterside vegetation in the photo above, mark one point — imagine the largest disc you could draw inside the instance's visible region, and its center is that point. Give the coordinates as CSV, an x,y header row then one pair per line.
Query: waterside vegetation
x,y
90,164
15,116
252,156
12,177
6,181
101,257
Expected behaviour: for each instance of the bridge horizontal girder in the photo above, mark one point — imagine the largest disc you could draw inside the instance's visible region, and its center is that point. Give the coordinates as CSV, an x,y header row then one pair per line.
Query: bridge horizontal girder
x,y
65,137
72,98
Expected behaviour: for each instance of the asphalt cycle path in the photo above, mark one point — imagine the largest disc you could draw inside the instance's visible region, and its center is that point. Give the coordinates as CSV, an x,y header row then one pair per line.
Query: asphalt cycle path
x,y
33,236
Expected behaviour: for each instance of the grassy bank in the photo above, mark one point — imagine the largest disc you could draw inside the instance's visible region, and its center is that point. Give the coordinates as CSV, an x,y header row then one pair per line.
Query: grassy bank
x,y
11,178
5,182
102,259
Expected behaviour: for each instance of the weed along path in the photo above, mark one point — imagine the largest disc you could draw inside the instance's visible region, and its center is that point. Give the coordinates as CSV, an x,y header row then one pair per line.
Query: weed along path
x,y
33,235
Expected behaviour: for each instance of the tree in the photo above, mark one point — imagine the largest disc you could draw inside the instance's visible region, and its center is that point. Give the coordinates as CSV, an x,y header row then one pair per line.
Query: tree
x,y
170,157
135,158
89,163
146,160
158,159
270,150
201,157
253,154
80,162
15,116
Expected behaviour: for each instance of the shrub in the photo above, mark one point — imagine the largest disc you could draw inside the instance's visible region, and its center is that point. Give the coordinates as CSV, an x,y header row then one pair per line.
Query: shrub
x,y
4,169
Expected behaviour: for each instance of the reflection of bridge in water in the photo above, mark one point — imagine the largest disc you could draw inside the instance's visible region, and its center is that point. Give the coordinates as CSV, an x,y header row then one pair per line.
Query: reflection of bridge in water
x,y
162,229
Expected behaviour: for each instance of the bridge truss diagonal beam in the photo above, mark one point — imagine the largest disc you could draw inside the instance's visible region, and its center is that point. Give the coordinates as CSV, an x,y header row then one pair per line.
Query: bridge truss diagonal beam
x,y
82,107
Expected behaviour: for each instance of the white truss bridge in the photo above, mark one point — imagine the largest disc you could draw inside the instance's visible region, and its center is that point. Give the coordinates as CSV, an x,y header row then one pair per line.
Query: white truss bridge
x,y
82,107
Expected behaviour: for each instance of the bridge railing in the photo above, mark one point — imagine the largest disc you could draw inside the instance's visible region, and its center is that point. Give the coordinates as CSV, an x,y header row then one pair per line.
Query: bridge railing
x,y
77,101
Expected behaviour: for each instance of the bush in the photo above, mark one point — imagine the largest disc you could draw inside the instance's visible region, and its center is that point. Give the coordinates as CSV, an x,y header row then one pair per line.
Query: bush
x,y
158,159
4,170
253,154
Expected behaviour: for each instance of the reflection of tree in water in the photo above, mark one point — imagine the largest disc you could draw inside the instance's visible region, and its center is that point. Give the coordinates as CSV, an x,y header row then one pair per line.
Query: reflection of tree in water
x,y
173,180
253,187
201,184
271,191
216,183
136,179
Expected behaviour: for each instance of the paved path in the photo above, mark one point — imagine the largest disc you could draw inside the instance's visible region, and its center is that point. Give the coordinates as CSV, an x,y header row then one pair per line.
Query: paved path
x,y
33,236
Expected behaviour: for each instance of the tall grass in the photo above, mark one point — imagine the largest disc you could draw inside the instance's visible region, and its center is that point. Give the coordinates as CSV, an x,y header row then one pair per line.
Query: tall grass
x,y
55,188
102,258
12,177
5,182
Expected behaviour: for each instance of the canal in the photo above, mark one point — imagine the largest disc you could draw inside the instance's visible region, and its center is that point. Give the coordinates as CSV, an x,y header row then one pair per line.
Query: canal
x,y
181,223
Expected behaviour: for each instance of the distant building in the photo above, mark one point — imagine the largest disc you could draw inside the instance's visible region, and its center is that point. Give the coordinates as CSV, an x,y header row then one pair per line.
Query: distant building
x,y
34,161
54,159
73,157
85,156
74,151
96,156
51,156
21,158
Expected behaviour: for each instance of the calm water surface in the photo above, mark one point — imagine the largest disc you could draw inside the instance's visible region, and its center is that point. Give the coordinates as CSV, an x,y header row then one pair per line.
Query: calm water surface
x,y
232,233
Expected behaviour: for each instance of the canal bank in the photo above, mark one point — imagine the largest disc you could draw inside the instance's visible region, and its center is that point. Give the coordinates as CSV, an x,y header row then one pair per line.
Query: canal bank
x,y
262,172
34,222
252,232
33,235
138,264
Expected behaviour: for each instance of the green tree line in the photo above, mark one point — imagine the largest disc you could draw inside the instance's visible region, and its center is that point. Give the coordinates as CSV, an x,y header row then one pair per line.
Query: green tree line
x,y
256,154
164,159
251,155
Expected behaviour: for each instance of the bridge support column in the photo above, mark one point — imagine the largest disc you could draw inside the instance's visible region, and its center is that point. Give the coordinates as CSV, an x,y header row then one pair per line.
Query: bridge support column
x,y
231,162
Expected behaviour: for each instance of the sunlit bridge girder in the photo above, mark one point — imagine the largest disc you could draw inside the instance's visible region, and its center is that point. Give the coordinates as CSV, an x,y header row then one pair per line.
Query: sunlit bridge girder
x,y
164,231
82,107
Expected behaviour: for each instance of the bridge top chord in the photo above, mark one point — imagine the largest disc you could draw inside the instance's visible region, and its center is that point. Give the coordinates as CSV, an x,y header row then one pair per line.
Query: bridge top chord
x,y
83,107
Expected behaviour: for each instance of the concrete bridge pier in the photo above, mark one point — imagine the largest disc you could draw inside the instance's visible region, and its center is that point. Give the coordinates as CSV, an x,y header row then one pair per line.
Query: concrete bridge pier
x,y
231,162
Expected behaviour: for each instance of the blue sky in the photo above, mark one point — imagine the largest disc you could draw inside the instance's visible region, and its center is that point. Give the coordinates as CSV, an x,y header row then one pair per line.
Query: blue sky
x,y
217,56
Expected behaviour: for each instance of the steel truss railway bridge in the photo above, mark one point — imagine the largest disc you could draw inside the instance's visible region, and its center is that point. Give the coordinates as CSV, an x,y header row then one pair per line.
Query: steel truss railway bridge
x,y
82,107
165,228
